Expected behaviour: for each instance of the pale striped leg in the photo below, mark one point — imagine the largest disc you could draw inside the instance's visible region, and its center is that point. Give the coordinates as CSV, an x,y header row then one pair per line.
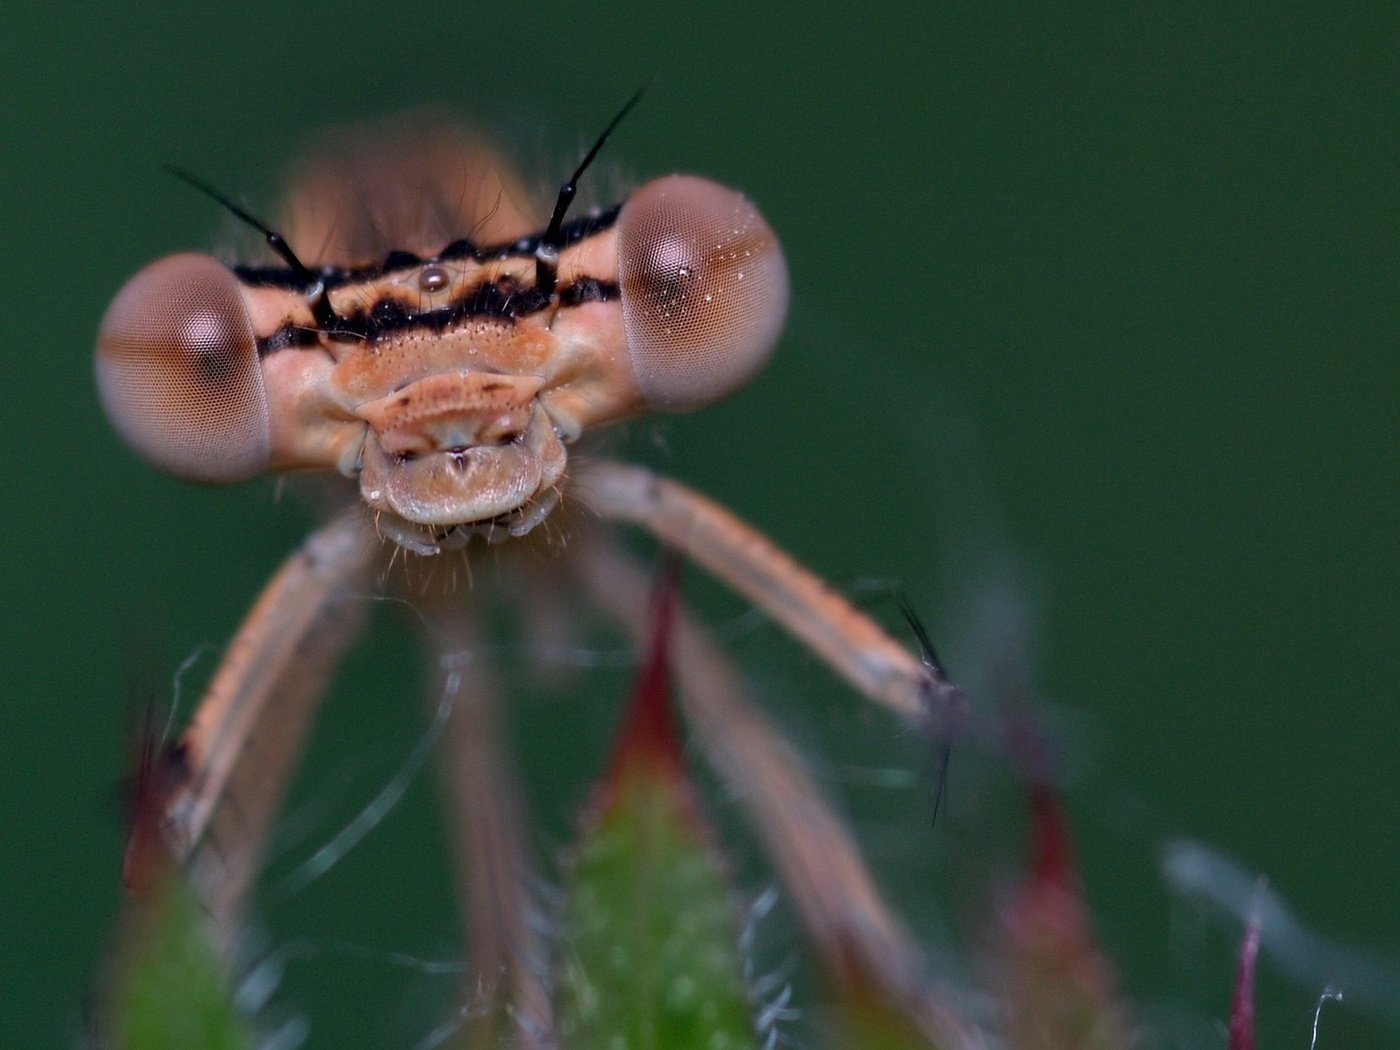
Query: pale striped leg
x,y
852,643
233,762
507,998
818,863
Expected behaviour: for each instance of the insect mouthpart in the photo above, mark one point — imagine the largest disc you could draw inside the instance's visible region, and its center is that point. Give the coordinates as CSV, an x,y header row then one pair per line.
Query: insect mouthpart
x,y
431,540
460,449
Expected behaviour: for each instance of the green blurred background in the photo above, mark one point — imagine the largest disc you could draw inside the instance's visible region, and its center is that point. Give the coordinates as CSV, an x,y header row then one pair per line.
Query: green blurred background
x,y
1093,307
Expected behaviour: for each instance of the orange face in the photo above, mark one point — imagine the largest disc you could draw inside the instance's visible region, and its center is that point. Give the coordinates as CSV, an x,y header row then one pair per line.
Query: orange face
x,y
449,379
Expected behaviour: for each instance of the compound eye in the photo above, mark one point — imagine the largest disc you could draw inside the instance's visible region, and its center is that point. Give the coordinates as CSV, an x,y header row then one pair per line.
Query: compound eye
x,y
704,290
177,368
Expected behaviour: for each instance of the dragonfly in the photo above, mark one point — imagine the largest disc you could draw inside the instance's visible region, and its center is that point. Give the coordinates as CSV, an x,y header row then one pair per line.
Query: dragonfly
x,y
440,350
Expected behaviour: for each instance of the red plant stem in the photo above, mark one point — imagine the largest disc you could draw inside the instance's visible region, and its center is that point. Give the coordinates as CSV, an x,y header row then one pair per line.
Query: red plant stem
x,y
1242,1003
649,733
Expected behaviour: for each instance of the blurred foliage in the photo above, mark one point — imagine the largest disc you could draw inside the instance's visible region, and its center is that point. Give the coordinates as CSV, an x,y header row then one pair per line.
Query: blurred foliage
x,y
170,987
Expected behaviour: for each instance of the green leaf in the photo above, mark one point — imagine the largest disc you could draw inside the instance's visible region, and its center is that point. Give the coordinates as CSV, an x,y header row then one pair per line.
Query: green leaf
x,y
649,945
170,990
650,936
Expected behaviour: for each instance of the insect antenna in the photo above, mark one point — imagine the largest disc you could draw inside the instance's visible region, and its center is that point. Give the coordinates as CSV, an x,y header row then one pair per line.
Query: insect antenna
x,y
315,287
547,253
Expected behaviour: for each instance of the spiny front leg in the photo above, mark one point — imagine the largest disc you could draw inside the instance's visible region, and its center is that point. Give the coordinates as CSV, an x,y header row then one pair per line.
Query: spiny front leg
x,y
853,644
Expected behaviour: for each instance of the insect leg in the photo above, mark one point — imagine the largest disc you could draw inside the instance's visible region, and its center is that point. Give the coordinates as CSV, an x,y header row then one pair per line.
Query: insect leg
x,y
851,642
508,959
241,746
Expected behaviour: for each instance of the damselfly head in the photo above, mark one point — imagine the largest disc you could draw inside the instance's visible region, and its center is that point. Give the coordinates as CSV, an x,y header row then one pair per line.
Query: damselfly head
x,y
451,383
